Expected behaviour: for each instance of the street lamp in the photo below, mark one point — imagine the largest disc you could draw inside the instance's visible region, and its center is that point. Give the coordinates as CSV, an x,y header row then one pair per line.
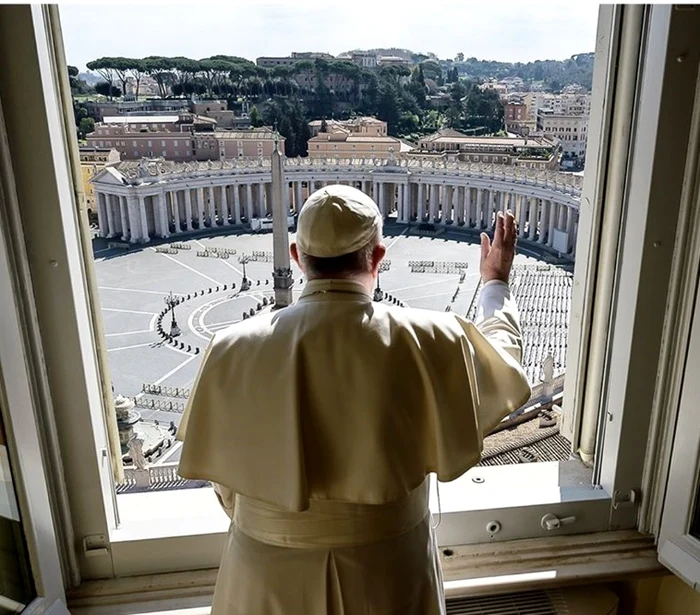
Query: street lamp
x,y
171,302
385,265
245,283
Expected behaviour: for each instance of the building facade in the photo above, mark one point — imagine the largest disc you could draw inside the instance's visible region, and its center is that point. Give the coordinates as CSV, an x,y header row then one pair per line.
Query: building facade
x,y
365,125
155,198
135,137
252,143
92,161
570,130
529,152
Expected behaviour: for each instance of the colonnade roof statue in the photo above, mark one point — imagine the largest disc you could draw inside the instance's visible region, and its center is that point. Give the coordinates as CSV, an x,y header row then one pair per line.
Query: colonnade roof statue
x,y
141,171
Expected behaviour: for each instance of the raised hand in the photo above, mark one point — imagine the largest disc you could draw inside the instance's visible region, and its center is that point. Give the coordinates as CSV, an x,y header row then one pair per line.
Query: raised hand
x,y
497,256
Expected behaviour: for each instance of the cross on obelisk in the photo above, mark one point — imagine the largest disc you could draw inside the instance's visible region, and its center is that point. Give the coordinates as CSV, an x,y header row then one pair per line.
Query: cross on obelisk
x,y
282,272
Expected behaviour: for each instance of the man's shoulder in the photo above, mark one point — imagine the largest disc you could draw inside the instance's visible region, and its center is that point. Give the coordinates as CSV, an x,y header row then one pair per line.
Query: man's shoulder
x,y
422,319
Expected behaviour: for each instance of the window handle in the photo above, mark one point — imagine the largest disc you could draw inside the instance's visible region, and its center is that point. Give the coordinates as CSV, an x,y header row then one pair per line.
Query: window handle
x,y
552,522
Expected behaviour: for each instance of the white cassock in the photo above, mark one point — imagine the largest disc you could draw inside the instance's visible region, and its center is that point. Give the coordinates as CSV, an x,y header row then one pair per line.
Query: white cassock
x,y
319,425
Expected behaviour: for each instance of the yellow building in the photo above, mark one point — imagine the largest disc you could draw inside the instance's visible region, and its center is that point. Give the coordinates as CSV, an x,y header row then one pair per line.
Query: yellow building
x,y
92,161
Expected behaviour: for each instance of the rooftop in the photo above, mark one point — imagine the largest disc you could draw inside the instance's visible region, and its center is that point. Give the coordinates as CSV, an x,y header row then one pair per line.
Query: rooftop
x,y
448,135
252,133
140,119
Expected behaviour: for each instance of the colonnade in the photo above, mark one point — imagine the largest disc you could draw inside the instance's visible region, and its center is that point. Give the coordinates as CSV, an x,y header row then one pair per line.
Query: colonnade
x,y
137,213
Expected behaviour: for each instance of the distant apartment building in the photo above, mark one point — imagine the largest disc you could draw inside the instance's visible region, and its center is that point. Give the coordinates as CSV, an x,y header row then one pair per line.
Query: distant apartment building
x,y
360,137
530,152
365,126
570,130
98,110
296,56
354,145
92,161
365,59
500,88
393,61
219,111
166,136
220,144
516,118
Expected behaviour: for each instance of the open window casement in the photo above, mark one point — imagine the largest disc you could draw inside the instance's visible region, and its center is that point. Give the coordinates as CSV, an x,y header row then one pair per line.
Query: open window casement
x,y
672,481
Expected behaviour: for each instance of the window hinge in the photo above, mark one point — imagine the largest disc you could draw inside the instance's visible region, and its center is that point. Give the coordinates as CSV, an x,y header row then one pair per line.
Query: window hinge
x,y
628,498
95,545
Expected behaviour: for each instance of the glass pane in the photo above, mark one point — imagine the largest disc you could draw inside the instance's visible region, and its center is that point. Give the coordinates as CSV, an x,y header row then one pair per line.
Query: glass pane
x,y
182,241
16,584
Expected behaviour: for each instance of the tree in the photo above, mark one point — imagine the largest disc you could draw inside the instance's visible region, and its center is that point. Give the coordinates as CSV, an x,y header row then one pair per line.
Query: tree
x,y
417,85
138,70
256,118
103,67
85,127
324,125
107,89
460,57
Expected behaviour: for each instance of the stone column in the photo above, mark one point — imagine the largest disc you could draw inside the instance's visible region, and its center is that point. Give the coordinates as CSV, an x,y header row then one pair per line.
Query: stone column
x,y
434,193
261,200
446,208
522,213
199,205
571,228
543,222
225,210
124,214
143,219
212,207
468,218
188,209
298,199
402,205
249,201
480,207
236,202
175,204
109,212
490,208
163,216
101,214
553,215
532,217
421,201
132,209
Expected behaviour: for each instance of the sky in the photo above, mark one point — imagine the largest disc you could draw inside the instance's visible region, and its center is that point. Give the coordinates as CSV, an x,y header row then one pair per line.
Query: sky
x,y
502,30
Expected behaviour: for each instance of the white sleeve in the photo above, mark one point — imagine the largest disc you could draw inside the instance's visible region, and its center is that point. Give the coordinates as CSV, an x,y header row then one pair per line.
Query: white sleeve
x,y
498,319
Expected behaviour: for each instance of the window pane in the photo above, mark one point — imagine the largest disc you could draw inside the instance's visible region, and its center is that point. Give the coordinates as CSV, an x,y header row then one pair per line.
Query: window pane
x,y
16,584
182,249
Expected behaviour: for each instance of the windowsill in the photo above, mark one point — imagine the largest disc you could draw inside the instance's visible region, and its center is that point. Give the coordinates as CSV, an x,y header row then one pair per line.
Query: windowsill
x,y
193,512
488,569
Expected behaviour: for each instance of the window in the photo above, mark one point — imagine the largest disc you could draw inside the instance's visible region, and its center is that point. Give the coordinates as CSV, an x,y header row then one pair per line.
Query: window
x,y
162,143
611,292
164,154
150,143
134,143
175,142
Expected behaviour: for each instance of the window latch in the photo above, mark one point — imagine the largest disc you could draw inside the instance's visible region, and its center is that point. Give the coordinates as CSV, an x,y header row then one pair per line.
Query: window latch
x,y
552,522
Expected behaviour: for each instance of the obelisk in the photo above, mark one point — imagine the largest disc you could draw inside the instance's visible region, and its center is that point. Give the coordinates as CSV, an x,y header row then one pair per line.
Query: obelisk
x,y
282,272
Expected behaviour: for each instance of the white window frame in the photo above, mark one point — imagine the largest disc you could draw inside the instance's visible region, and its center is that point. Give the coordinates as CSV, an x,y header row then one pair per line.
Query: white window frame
x,y
121,543
674,439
